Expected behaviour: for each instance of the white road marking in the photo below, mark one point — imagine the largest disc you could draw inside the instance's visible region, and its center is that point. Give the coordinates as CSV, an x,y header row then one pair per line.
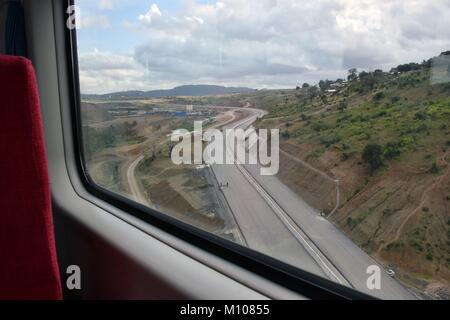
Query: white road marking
x,y
315,253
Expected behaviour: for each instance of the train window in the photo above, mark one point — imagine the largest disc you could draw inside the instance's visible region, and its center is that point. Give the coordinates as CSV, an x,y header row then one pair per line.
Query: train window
x,y
314,132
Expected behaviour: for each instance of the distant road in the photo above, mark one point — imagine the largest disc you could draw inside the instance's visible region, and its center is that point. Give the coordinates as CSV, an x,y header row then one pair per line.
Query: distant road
x,y
135,189
277,222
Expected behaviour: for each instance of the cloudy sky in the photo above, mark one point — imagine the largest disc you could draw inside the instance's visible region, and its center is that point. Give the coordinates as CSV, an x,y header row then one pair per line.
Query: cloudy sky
x,y
146,45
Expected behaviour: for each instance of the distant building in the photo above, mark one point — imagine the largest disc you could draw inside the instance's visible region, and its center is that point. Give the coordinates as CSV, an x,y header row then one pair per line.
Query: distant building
x,y
180,114
338,85
394,71
189,108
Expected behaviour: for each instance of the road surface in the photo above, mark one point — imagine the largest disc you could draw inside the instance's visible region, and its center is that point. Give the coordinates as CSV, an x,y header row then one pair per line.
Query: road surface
x,y
277,222
135,189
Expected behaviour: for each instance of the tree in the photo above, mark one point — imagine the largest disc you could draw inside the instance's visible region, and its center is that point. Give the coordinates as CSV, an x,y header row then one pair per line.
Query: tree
x,y
324,85
342,105
373,155
427,64
363,75
286,134
367,80
378,75
313,92
305,85
352,74
409,67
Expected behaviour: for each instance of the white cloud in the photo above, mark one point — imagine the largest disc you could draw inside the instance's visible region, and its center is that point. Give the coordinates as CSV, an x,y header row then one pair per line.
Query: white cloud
x,y
105,4
153,13
195,19
277,43
95,21
104,72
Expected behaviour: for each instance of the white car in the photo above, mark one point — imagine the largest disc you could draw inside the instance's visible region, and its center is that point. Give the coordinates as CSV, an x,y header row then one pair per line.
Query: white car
x,y
390,272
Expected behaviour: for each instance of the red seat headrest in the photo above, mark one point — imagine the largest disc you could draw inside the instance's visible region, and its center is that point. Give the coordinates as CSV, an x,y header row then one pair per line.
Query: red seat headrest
x,y
28,265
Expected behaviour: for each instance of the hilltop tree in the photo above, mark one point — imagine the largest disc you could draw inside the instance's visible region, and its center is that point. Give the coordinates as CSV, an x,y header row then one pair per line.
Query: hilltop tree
x,y
352,74
322,85
363,75
409,67
378,74
427,64
313,92
367,80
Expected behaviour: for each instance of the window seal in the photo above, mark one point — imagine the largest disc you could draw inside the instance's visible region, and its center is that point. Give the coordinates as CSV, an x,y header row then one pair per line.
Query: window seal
x,y
307,284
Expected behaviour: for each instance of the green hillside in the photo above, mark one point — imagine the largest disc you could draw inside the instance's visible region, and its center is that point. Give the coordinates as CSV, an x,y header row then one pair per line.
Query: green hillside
x,y
386,137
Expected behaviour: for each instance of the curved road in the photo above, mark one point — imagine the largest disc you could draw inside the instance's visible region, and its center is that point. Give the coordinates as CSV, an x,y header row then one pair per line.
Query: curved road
x,y
135,189
277,222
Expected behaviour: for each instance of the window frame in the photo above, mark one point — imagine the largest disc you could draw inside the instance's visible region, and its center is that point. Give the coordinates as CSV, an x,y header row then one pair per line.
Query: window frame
x,y
307,284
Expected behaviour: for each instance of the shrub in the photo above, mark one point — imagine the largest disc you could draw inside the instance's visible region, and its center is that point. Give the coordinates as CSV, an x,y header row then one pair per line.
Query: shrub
x,y
345,156
285,134
434,168
342,105
330,140
392,150
378,96
380,114
395,99
319,126
420,115
373,156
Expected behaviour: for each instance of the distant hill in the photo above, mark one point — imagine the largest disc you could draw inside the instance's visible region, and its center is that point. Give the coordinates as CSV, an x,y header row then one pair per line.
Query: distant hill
x,y
186,91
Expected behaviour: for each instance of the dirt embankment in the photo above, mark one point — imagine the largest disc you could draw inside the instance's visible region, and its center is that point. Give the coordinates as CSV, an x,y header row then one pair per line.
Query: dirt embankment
x,y
315,188
401,216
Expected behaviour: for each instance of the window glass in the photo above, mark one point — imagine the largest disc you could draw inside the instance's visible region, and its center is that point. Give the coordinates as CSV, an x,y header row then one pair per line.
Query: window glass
x,y
315,132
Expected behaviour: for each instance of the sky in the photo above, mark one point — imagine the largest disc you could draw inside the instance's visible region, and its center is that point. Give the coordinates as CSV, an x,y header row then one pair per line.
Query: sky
x,y
159,44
